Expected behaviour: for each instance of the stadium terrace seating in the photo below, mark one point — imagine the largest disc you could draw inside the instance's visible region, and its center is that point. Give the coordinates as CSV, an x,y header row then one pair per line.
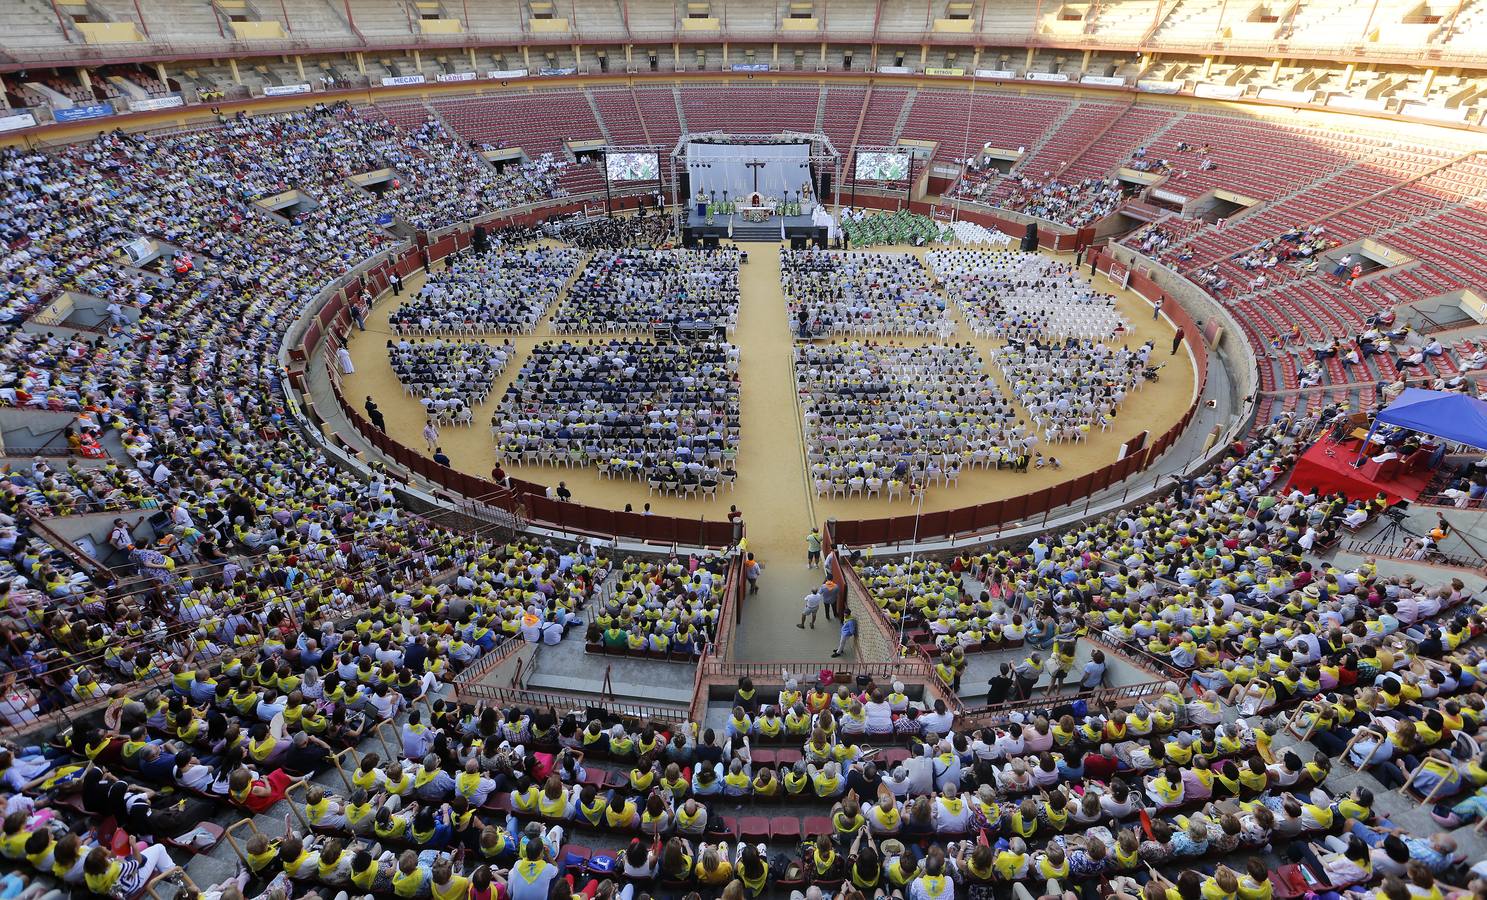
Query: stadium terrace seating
x,y
622,116
880,124
1134,128
1087,121
839,121
749,110
659,113
1123,20
942,116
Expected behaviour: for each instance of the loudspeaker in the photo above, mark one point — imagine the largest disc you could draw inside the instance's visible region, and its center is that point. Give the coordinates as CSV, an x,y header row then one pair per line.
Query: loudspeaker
x,y
821,238
684,185
797,242
689,238
824,193
710,242
478,240
1030,238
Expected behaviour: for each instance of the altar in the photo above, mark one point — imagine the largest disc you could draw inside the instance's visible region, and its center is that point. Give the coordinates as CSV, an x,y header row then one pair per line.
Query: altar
x,y
757,209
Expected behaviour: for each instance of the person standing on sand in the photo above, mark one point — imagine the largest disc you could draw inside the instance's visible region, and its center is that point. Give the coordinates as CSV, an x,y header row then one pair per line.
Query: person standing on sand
x,y
813,548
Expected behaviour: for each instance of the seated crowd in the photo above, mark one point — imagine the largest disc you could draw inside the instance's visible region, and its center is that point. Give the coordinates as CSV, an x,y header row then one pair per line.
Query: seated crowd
x,y
638,290
1072,386
870,229
836,292
885,417
660,607
503,290
182,395
663,412
1016,295
450,378
1072,204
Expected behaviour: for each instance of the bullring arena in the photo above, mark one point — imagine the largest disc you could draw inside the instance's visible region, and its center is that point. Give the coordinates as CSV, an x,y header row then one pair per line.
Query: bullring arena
x,y
815,449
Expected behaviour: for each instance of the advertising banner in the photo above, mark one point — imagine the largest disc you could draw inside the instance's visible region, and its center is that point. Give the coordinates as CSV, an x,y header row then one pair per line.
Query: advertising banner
x,y
16,121
281,90
395,80
85,111
1219,91
169,101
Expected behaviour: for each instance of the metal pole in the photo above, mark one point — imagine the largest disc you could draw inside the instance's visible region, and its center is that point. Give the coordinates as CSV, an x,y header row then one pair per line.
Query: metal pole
x,y
142,24
608,208
62,23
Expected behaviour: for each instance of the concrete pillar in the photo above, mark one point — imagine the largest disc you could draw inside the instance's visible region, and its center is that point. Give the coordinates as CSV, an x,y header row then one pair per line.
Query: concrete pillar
x,y
923,55
774,55
1274,70
629,55
299,65
1029,63
1429,81
472,56
361,63
87,80
417,60
160,74
976,59
231,64
1084,64
725,54
1207,67
822,63
1347,75
526,58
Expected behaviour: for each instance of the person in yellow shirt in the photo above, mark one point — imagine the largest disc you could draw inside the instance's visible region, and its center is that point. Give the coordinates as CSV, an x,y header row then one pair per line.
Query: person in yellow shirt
x,y
713,868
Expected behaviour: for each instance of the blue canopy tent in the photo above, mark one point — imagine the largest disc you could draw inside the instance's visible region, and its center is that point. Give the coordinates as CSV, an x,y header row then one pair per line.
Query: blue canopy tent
x,y
1459,418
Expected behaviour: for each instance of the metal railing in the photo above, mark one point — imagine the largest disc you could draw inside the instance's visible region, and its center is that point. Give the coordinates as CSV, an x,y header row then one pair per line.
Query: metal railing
x,y
529,699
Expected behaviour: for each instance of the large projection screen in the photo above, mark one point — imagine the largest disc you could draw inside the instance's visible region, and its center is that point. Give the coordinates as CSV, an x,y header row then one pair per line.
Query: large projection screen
x,y
715,168
876,165
645,166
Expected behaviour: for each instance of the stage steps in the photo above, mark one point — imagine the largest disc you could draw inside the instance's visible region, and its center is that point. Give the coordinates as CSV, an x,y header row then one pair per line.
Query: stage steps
x,y
770,231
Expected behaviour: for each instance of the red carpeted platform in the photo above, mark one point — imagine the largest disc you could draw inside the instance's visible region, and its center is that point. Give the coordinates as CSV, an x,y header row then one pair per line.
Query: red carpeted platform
x,y
1328,467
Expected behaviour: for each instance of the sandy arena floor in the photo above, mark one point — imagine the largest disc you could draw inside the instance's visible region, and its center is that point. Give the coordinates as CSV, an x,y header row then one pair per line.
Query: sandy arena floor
x,y
773,490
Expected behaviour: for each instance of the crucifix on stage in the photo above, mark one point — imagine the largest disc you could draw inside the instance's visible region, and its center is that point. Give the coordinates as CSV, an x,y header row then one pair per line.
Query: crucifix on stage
x,y
756,165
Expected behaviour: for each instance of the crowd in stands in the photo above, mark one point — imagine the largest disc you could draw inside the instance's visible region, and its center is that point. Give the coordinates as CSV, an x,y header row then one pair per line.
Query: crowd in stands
x,y
185,380
1072,386
292,606
450,378
639,290
665,607
660,411
440,179
841,292
886,419
503,290
1016,295
1073,204
54,488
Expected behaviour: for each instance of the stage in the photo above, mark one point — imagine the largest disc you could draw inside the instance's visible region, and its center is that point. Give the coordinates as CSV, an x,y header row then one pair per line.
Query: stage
x,y
1327,466
723,222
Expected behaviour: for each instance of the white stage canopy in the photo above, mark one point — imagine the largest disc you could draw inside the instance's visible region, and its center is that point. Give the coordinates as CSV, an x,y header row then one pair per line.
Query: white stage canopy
x,y
715,168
